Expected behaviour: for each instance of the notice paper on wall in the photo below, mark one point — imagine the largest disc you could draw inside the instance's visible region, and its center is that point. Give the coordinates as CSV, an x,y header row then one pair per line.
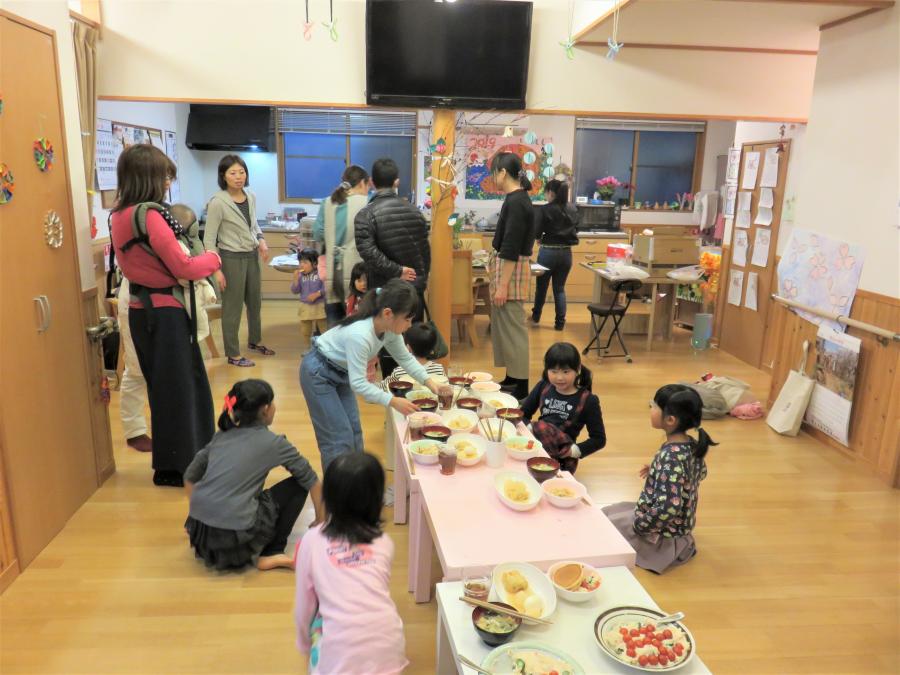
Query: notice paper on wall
x,y
739,254
171,151
733,168
742,219
730,195
751,169
107,154
770,169
837,360
761,247
763,216
766,198
752,284
743,200
735,286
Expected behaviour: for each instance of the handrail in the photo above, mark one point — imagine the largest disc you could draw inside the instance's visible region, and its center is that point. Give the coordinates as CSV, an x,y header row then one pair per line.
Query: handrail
x,y
840,318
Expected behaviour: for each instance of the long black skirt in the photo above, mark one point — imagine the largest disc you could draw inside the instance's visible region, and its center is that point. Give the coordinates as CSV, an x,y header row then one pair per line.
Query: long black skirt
x,y
181,408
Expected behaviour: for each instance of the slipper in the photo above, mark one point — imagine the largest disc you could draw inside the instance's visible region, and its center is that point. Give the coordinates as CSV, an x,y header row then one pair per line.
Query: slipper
x,y
242,362
262,349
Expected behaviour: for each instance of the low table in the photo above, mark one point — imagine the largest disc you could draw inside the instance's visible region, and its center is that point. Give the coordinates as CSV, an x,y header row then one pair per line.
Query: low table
x,y
572,630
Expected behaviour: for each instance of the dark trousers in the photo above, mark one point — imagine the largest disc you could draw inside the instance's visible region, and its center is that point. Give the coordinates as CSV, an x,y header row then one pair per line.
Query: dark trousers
x,y
334,312
181,407
559,263
385,361
290,497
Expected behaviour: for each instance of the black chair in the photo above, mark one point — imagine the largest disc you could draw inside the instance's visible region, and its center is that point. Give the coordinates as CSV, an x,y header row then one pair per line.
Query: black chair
x,y
628,287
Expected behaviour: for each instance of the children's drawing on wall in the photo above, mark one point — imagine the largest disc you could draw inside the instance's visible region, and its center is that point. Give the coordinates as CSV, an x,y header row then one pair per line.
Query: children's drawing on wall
x,y
820,272
537,160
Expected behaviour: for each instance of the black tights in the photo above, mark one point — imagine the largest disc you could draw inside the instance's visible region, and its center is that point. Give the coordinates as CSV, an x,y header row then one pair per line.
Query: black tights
x,y
290,498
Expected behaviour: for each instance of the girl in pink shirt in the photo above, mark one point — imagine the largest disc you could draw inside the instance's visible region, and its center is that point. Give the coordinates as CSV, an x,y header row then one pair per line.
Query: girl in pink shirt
x,y
346,620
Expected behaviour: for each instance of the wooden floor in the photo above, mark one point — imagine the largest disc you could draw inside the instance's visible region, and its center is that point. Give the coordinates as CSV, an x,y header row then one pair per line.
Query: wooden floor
x,y
797,568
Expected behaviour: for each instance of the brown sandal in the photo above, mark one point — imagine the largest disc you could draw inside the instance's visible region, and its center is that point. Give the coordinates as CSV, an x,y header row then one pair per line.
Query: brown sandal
x,y
262,349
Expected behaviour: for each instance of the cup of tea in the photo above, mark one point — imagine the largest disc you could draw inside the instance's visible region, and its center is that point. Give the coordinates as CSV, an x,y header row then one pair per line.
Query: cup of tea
x,y
445,396
418,421
447,460
476,585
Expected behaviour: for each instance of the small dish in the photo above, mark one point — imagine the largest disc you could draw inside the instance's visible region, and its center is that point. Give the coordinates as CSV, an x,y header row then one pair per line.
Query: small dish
x,y
469,448
425,451
555,488
586,589
522,447
482,387
460,420
478,376
542,468
495,638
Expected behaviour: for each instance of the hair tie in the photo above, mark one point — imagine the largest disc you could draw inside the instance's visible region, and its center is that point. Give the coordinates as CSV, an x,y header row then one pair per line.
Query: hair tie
x,y
378,291
345,185
229,403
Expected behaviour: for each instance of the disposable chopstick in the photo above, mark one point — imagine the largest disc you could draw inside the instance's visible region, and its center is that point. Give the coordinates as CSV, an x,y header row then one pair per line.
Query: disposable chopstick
x,y
474,666
498,609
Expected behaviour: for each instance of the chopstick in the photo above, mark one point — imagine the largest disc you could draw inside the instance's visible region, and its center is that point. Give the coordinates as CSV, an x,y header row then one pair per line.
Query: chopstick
x,y
502,610
584,499
468,662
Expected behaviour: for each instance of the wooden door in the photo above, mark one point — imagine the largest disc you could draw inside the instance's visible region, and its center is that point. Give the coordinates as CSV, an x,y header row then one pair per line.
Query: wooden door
x,y
45,399
743,330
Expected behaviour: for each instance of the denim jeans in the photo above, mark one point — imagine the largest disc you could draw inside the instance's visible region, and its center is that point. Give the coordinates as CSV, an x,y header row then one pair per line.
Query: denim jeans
x,y
332,407
559,263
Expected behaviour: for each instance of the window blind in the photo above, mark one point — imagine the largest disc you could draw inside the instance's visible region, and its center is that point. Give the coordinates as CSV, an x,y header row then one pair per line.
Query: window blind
x,y
639,125
345,122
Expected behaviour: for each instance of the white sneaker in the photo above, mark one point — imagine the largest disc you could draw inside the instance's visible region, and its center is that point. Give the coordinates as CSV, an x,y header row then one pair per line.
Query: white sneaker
x,y
389,496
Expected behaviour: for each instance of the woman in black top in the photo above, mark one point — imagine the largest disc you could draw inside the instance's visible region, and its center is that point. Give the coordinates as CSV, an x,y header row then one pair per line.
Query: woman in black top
x,y
555,230
510,272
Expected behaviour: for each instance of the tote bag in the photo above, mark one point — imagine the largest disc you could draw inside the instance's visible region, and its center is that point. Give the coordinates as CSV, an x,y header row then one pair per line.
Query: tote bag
x,y
787,412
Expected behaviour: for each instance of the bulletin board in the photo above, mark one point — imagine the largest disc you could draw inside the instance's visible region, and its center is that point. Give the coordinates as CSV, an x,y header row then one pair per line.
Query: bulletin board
x,y
537,161
751,251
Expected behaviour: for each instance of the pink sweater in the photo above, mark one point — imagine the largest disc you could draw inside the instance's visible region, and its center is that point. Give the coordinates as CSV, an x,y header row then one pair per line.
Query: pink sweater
x,y
346,619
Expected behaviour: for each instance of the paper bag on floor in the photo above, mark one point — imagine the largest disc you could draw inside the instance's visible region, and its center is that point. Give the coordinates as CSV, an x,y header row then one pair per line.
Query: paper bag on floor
x,y
787,412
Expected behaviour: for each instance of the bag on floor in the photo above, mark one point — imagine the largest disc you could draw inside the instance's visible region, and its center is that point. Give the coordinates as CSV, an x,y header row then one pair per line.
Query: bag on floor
x,y
787,412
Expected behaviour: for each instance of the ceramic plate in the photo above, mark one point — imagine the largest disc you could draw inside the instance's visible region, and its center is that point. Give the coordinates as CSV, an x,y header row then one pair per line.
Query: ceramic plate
x,y
538,583
606,632
503,658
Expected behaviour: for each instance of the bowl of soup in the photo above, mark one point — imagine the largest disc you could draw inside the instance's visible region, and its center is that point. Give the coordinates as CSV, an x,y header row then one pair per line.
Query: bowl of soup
x,y
460,381
425,404
400,387
542,468
495,628
436,432
514,415
469,403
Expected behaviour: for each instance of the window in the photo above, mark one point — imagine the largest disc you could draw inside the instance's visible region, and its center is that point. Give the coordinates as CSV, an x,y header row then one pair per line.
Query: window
x,y
657,157
316,146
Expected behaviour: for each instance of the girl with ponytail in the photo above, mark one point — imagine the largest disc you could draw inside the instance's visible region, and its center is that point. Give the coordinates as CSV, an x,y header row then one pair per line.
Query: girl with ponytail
x,y
334,230
232,521
510,272
659,526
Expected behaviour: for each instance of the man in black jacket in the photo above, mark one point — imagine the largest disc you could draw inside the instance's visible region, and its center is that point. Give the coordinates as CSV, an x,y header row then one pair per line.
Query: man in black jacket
x,y
392,238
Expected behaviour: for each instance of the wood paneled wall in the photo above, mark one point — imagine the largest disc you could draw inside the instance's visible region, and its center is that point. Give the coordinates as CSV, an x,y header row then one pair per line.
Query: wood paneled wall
x,y
875,421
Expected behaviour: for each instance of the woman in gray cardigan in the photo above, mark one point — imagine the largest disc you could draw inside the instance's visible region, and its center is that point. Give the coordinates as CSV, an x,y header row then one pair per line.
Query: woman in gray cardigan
x,y
232,230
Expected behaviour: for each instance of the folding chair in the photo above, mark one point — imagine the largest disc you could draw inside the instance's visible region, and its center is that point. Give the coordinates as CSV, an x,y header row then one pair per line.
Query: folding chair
x,y
627,286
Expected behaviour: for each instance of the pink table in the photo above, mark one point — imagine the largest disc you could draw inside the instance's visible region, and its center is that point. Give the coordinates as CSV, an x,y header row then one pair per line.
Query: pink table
x,y
462,517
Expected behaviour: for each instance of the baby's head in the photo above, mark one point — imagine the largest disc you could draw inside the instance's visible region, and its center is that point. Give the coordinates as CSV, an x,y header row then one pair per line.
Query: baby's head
x,y
185,216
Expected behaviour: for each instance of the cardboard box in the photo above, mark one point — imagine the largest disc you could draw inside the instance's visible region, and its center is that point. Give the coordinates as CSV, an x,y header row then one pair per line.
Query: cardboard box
x,y
666,250
618,255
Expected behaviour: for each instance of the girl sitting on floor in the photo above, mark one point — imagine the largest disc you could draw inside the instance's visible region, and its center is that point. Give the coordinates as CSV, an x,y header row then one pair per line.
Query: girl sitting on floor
x,y
232,519
346,619
566,405
659,527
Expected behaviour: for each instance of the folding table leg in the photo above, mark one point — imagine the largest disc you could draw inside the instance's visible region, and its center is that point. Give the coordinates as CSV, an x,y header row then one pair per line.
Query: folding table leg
x,y
446,659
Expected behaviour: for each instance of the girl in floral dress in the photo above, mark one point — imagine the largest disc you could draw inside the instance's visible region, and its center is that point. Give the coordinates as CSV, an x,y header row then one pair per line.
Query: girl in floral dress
x,y
659,526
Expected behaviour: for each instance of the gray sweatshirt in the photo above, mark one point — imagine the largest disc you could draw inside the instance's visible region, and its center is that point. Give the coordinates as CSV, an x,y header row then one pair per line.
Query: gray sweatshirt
x,y
226,227
229,474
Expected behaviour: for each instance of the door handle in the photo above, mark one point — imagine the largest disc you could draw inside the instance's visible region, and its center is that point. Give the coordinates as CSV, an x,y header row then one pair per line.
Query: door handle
x,y
107,326
43,304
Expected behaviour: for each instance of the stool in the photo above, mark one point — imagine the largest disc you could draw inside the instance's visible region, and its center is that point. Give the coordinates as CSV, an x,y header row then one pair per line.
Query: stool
x,y
627,286
213,312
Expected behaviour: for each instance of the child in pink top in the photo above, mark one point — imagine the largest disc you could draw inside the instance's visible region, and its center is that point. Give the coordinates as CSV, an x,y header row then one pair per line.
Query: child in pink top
x,y
346,619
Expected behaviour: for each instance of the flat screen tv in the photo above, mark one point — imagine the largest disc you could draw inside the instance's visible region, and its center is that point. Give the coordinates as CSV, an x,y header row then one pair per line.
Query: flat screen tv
x,y
466,54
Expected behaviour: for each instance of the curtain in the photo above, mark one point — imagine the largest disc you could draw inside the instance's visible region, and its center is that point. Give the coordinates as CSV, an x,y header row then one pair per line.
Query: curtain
x,y
85,40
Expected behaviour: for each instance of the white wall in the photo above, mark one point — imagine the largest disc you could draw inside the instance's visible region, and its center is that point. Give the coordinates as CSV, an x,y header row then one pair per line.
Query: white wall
x,y
277,65
54,14
849,183
719,138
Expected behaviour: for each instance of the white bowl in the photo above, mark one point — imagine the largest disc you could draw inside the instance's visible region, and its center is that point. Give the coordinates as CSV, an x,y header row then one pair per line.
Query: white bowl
x,y
534,490
459,415
524,453
504,428
492,397
563,502
609,622
574,596
478,376
479,443
537,582
420,458
481,388
428,418
413,394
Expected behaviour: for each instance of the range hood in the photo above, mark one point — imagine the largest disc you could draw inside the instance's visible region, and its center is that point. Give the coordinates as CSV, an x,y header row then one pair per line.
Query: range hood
x,y
230,128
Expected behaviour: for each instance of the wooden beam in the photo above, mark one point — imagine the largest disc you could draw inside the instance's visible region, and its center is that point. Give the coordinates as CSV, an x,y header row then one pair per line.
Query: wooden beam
x,y
86,20
440,286
707,48
601,19
852,17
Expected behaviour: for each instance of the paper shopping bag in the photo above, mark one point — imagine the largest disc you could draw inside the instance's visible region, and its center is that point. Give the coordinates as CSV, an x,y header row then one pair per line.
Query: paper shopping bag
x,y
787,412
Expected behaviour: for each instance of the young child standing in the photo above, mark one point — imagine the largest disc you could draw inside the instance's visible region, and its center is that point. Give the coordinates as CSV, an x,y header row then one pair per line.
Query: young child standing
x,y
232,520
659,526
358,287
420,340
333,372
566,405
311,290
346,619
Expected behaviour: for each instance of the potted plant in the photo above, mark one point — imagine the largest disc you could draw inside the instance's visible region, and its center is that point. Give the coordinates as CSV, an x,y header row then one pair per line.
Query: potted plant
x,y
606,187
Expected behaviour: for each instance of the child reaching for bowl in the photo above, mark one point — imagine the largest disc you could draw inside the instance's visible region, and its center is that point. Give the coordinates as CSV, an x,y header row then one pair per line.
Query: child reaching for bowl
x,y
346,619
659,526
566,405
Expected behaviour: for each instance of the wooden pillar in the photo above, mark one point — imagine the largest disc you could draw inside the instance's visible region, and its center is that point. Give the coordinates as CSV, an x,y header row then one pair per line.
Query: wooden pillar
x,y
440,278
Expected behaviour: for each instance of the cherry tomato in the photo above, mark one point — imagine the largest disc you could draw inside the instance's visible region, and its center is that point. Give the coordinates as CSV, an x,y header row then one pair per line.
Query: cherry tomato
x,y
638,643
679,649
643,660
631,653
553,672
623,631
656,643
663,659
651,627
653,659
667,634
634,632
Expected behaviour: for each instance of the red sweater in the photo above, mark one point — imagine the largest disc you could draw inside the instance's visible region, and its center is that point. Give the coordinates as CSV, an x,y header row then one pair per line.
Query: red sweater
x,y
140,267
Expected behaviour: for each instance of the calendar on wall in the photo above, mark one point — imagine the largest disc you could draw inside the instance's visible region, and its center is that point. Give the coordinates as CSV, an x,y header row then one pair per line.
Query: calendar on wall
x,y
107,155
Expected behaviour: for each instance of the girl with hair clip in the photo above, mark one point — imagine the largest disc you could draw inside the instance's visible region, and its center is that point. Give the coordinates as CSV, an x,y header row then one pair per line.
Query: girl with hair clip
x,y
334,229
659,526
556,231
333,372
232,521
346,619
510,272
565,405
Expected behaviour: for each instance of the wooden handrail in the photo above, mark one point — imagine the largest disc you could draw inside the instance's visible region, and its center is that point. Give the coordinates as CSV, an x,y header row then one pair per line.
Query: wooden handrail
x,y
840,318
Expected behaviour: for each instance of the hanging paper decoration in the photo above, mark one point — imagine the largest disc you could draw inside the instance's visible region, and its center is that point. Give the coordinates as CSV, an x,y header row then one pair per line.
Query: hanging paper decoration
x,y
7,184
53,229
308,25
613,43
332,24
547,172
569,43
43,154
530,138
530,157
